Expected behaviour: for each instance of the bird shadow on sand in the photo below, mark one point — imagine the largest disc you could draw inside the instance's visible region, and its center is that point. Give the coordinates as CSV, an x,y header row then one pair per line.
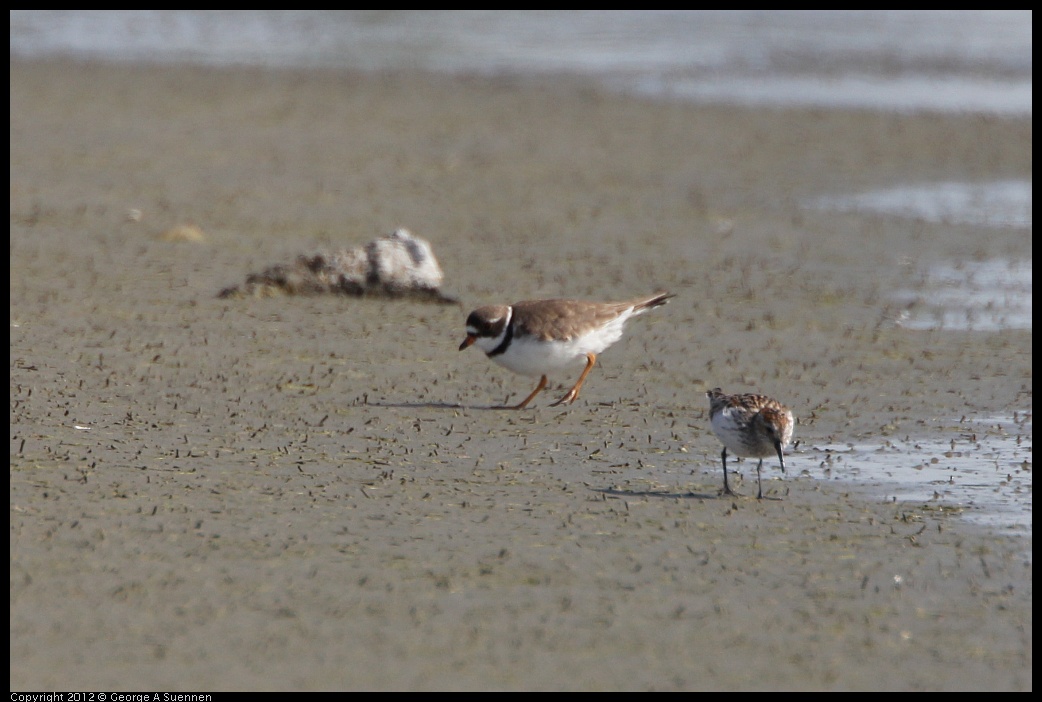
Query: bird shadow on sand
x,y
716,495
449,405
615,492
423,405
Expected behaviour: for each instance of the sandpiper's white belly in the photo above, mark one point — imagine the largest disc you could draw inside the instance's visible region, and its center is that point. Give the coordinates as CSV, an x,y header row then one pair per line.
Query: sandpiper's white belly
x,y
735,431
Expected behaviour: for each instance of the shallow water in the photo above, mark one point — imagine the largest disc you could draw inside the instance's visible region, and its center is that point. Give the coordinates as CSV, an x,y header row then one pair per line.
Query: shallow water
x,y
986,296
1005,203
989,295
983,472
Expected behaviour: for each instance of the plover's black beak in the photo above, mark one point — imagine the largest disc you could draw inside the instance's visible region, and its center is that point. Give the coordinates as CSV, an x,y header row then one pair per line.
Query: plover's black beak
x,y
471,338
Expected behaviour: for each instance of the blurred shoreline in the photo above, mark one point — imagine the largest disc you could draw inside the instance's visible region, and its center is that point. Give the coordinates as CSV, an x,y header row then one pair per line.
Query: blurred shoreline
x,y
976,61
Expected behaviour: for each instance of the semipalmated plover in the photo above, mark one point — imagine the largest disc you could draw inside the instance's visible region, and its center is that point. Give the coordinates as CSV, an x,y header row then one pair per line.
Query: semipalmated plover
x,y
752,426
540,337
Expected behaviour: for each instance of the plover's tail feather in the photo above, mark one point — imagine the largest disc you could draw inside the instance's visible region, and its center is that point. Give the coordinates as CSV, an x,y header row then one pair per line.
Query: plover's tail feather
x,y
656,300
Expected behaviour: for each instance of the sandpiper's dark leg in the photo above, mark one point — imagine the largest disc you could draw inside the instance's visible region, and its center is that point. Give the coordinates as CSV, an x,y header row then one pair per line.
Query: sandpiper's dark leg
x,y
727,488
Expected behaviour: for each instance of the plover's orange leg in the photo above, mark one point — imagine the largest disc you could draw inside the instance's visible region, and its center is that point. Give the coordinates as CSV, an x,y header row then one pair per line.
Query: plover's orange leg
x,y
574,392
521,405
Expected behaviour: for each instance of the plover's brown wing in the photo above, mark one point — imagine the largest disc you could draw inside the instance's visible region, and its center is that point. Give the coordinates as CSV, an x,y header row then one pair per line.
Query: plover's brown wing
x,y
555,319
566,319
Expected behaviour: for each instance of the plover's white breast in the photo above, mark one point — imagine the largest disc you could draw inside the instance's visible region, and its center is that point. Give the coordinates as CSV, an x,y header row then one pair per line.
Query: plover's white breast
x,y
528,355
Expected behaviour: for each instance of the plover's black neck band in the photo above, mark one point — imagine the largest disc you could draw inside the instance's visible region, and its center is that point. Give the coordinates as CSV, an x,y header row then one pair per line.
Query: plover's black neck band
x,y
506,337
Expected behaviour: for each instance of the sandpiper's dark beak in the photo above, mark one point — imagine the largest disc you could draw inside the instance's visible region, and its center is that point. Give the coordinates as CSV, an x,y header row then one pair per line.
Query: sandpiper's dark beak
x,y
468,341
781,456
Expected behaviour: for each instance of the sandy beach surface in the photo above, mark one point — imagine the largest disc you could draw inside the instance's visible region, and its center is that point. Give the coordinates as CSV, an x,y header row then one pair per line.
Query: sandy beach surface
x,y
311,493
